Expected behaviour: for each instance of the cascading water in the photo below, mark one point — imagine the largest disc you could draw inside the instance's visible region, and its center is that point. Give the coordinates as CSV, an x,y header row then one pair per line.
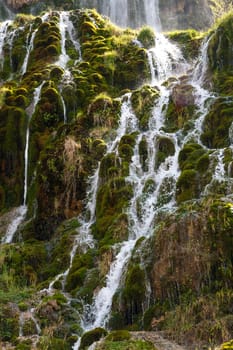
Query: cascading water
x,y
66,29
128,13
30,43
165,61
3,35
29,46
141,221
20,212
63,58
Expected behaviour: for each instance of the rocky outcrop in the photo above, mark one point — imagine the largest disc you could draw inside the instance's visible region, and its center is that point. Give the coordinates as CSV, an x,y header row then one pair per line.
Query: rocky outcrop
x,y
182,14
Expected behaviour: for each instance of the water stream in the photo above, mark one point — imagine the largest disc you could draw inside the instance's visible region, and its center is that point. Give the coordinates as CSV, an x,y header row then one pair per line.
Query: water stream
x,y
3,35
144,205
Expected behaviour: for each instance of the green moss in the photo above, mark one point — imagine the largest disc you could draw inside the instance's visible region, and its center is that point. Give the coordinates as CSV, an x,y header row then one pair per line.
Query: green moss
x,y
118,336
12,133
165,148
227,346
126,344
217,123
56,74
143,101
133,293
190,155
220,45
81,265
51,343
102,111
92,336
187,185
147,37
181,107
189,40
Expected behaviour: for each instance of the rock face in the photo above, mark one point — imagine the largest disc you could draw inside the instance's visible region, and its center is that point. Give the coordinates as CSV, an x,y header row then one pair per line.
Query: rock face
x,y
180,14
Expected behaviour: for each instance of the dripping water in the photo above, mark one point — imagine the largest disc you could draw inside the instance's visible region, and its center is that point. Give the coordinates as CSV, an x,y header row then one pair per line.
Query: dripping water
x,y
3,35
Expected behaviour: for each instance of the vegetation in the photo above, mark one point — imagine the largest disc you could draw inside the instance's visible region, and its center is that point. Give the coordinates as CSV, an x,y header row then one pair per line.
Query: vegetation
x,y
179,278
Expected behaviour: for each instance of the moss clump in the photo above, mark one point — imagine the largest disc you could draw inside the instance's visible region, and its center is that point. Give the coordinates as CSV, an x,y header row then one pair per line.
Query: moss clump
x,y
227,346
143,101
102,111
194,163
190,155
125,147
147,37
187,185
181,107
77,274
143,152
92,336
189,40
165,148
217,123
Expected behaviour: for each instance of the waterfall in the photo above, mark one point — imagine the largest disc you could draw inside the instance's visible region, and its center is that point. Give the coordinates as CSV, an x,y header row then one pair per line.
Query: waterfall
x,y
3,35
29,47
20,212
128,13
63,58
165,60
68,26
144,206
64,109
152,14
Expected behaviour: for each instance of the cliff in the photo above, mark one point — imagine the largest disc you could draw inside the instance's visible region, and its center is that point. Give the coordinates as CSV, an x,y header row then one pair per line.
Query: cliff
x,y
116,207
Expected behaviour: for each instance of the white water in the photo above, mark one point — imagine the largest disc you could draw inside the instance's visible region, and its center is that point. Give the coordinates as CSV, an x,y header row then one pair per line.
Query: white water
x,y
29,47
64,109
18,218
136,13
63,58
3,34
67,26
141,221
152,14
165,60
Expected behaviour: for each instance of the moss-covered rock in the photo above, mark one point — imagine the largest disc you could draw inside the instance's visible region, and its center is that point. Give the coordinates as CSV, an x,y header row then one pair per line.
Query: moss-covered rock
x,y
181,107
92,336
146,36
189,40
143,101
217,124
